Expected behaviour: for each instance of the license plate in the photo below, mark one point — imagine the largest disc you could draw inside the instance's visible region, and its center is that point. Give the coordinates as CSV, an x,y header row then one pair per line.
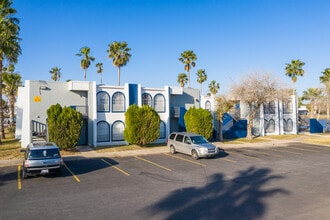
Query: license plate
x,y
44,172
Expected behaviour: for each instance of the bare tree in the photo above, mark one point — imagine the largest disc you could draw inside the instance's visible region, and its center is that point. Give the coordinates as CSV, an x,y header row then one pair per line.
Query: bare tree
x,y
255,90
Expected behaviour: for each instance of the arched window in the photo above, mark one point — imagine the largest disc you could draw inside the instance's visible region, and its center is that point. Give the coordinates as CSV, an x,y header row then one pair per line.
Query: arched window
x,y
146,99
289,125
162,130
103,102
287,107
272,107
269,108
285,126
118,102
270,126
208,105
118,131
159,103
103,131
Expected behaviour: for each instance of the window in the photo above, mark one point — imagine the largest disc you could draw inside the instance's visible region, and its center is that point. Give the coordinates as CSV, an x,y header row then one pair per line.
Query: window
x,y
288,125
269,108
287,107
208,105
118,131
162,130
103,102
103,131
270,126
179,138
146,99
159,103
118,102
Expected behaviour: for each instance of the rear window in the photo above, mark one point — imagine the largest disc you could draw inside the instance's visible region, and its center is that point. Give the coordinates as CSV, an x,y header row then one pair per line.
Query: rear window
x,y
179,138
44,153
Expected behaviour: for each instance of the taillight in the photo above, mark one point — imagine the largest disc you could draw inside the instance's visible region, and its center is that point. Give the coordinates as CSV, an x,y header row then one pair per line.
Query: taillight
x,y
61,161
26,163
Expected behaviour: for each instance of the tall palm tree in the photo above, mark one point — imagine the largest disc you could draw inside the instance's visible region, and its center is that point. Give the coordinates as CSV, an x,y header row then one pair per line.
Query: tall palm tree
x,y
325,79
56,73
119,53
214,87
11,82
182,79
86,60
201,77
293,70
188,58
99,67
9,44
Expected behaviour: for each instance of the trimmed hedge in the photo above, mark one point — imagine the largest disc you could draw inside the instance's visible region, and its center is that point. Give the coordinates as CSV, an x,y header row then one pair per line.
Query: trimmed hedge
x,y
142,125
199,121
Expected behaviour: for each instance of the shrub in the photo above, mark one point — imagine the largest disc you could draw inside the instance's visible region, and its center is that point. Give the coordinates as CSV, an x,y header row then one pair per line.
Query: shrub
x,y
199,121
142,125
64,126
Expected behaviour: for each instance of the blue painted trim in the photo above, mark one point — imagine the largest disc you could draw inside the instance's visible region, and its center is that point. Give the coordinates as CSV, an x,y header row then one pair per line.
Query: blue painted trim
x,y
112,130
159,94
97,94
114,100
108,140
133,94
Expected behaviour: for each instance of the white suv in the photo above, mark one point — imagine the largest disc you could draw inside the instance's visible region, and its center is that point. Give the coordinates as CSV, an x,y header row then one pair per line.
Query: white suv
x,y
41,158
191,144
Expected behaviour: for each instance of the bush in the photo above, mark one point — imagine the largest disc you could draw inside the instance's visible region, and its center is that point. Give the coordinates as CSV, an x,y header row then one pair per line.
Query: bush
x,y
142,125
64,126
199,121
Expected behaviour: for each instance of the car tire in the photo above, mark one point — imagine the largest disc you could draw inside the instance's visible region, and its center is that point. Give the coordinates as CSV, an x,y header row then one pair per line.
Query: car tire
x,y
172,150
194,154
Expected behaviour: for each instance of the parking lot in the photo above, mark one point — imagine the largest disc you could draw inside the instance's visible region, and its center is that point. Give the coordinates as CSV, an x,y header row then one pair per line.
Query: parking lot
x,y
275,182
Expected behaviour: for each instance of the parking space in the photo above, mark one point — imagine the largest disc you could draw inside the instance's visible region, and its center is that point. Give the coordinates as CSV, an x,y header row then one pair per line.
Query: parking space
x,y
164,172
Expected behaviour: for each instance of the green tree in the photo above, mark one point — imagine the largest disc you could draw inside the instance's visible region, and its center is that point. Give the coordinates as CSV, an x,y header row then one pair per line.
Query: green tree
x,y
11,82
293,70
201,77
119,53
99,67
9,44
56,73
188,59
222,106
182,79
199,121
214,87
64,126
142,125
86,59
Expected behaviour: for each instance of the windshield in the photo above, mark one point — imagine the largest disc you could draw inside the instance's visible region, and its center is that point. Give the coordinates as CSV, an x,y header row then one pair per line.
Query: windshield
x,y
198,140
44,153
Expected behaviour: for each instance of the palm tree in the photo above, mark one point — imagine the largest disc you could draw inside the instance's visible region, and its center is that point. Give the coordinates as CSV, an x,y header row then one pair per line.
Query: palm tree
x,y
99,67
56,73
201,77
187,58
119,53
11,82
182,79
325,79
86,60
9,44
293,70
312,95
214,87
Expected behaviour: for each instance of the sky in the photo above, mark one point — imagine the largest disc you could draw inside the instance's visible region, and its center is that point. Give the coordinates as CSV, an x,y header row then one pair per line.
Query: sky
x,y
231,38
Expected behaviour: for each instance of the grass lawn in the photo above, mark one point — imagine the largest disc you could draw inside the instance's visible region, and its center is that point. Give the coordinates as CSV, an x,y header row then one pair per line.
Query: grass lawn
x,y
125,148
10,149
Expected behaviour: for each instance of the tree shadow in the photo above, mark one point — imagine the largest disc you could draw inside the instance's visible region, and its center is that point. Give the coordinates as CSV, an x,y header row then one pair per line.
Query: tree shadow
x,y
242,197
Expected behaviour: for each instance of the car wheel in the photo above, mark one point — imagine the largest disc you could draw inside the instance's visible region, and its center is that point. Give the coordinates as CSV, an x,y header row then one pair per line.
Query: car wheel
x,y
172,149
195,154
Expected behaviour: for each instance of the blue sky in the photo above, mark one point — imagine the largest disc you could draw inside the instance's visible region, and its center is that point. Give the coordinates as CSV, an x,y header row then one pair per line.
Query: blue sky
x,y
231,38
